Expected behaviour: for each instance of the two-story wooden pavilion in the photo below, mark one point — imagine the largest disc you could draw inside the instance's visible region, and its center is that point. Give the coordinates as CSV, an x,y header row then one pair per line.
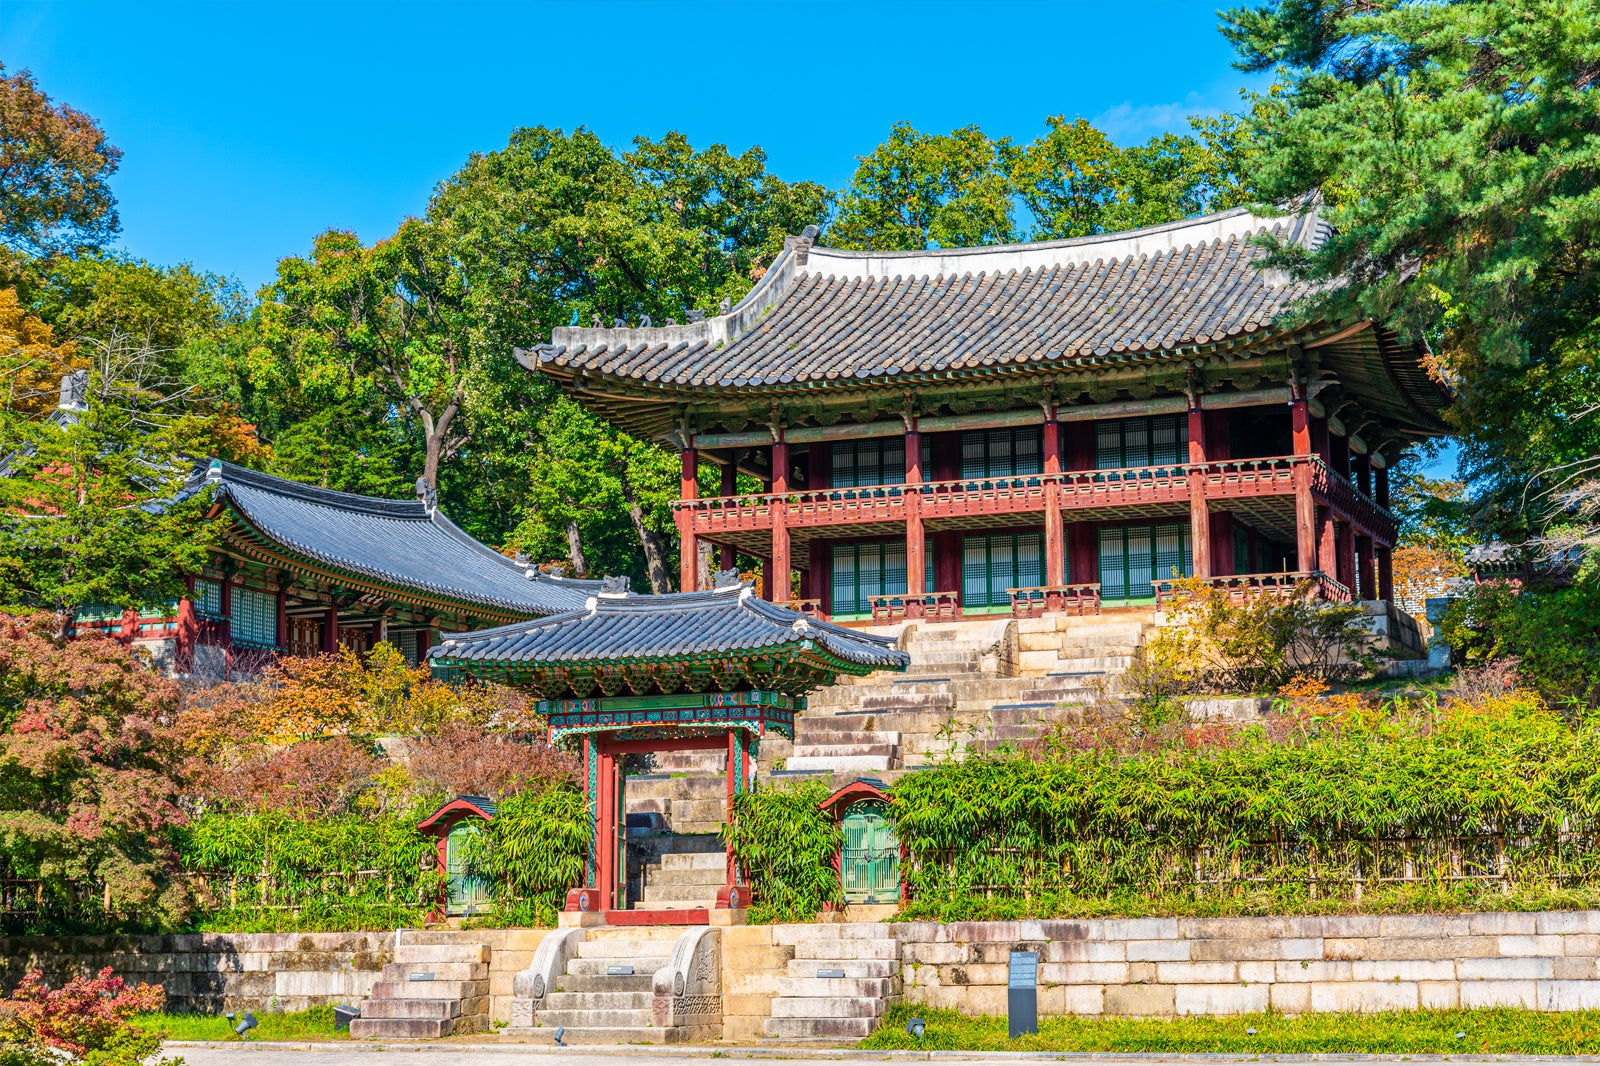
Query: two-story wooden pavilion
x,y
1077,420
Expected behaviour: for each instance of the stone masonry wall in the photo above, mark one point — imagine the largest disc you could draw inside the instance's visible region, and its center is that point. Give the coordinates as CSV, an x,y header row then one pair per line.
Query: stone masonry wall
x,y
214,972
1166,966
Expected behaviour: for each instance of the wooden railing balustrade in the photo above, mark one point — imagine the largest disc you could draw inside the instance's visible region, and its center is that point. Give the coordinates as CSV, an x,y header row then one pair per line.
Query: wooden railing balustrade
x,y
898,606
1031,602
1243,587
809,608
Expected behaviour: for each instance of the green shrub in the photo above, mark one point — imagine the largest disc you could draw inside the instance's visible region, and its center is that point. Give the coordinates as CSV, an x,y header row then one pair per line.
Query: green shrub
x,y
1306,813
535,849
786,846
270,871
1552,633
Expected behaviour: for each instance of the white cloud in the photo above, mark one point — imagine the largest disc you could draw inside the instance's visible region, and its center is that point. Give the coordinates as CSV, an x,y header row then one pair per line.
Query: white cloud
x,y
1129,123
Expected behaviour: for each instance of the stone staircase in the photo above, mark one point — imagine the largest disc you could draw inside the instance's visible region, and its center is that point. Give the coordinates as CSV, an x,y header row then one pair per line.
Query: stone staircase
x,y
678,872
629,985
430,990
973,684
841,981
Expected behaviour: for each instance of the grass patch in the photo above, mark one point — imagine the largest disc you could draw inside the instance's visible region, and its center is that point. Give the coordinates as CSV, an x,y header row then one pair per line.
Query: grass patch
x,y
313,1024
1496,1031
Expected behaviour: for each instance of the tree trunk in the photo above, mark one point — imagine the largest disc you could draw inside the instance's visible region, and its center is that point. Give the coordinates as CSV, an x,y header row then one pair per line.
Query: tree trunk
x,y
655,552
580,566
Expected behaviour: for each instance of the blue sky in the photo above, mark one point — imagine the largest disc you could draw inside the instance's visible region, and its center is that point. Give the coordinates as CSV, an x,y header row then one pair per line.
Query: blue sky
x,y
250,127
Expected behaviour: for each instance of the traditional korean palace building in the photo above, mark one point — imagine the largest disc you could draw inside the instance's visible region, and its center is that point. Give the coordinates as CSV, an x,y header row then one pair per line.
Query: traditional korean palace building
x,y
1033,426
300,570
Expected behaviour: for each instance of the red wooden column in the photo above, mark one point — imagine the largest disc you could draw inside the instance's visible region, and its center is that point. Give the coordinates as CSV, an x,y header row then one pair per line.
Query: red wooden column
x,y
1055,534
1199,513
226,625
1380,487
1368,569
1347,555
914,535
733,790
606,828
330,630
688,549
424,639
188,630
730,487
1385,573
1327,545
280,623
780,519
1305,508
128,626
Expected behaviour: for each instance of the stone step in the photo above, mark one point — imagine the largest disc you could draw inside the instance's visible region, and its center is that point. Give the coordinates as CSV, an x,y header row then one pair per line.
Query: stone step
x,y
588,983
704,904
853,968
839,762
626,949
596,1019
695,860
401,1028
412,1008
429,989
824,947
827,1007
430,953
596,965
833,987
654,893
589,1036
818,1028
441,971
629,1000
692,875
655,939
819,733
809,750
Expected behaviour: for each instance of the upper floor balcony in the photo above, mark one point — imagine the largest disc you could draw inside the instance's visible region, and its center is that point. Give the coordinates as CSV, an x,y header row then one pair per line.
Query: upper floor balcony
x,y
1084,494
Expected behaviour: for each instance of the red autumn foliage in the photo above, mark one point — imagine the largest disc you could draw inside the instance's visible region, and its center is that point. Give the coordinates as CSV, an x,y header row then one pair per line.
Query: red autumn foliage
x,y
87,761
309,779
85,1014
464,757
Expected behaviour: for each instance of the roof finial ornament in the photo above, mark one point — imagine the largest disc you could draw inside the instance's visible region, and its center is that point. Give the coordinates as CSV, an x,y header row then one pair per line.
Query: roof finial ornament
x,y
810,232
614,585
645,322
725,306
694,314
558,571
619,323
428,495
74,391
726,579
599,323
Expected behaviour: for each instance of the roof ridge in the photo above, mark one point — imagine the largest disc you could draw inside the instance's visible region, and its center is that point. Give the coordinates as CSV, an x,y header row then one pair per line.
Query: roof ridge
x,y
411,510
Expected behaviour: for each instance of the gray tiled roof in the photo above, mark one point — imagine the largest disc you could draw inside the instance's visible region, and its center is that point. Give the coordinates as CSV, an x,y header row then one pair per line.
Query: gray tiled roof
x,y
822,314
676,625
397,542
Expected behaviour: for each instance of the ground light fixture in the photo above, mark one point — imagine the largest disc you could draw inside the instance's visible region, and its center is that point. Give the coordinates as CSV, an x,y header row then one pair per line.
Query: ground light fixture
x,y
1461,1036
1249,1032
246,1024
915,1027
561,1032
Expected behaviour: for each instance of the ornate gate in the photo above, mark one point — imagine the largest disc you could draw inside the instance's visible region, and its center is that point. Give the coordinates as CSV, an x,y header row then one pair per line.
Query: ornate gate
x,y
869,868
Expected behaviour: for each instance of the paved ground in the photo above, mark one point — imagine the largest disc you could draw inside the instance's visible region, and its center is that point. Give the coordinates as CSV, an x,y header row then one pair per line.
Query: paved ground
x,y
492,1055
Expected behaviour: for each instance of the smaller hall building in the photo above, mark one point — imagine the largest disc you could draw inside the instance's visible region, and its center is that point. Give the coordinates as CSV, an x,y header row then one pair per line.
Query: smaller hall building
x,y
1066,424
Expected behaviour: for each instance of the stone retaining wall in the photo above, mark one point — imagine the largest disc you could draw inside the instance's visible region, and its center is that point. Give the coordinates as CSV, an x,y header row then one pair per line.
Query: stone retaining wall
x,y
1148,966
1166,966
213,972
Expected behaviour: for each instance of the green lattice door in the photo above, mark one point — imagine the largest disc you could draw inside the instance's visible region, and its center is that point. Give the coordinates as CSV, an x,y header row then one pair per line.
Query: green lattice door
x,y
467,892
870,863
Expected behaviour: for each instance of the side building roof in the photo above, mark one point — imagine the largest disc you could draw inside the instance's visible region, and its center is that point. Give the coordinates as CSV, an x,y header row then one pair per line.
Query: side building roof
x,y
395,545
702,638
830,319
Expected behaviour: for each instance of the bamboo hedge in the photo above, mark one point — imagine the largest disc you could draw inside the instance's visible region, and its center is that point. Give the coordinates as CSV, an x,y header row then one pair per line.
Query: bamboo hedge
x,y
1438,806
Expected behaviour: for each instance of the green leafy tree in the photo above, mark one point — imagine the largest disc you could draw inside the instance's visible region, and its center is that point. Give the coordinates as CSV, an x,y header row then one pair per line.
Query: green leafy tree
x,y
55,166
1454,145
920,190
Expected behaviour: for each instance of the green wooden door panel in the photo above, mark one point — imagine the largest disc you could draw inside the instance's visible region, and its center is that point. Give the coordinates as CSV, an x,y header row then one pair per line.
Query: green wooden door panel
x,y
869,869
466,892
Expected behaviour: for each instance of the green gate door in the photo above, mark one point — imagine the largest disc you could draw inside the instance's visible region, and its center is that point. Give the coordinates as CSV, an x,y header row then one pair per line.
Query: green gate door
x,y
870,863
466,892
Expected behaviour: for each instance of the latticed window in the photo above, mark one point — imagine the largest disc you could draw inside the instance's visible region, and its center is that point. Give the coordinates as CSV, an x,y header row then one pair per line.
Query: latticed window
x,y
255,618
874,461
1015,452
993,564
872,569
1133,556
208,598
1162,440
406,641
